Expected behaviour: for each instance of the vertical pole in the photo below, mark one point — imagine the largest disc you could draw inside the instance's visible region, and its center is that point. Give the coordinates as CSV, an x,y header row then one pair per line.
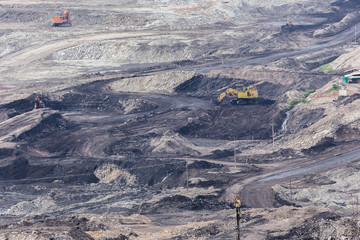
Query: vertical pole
x,y
357,207
273,135
291,199
355,35
187,177
238,215
235,155
251,127
352,203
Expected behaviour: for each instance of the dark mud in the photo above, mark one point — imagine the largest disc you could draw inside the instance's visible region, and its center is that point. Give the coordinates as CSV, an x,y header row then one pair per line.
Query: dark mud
x,y
19,106
235,123
179,202
201,85
326,143
347,134
25,173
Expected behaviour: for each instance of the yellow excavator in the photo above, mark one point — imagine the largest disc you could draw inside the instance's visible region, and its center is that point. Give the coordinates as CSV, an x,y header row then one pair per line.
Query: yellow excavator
x,y
244,96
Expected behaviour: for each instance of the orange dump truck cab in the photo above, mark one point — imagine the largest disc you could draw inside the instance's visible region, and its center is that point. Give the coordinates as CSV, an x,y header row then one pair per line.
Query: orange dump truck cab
x,y
62,20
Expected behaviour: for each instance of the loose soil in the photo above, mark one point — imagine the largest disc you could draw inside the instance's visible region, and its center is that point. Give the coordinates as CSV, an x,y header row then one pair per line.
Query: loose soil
x,y
128,143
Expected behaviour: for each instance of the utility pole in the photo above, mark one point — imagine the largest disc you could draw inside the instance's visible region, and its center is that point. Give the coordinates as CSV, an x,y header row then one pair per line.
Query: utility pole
x,y
235,155
273,135
187,177
352,203
238,215
357,207
291,201
355,40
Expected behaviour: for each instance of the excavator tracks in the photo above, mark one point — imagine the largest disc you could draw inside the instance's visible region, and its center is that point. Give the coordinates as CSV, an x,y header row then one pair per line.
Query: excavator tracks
x,y
253,101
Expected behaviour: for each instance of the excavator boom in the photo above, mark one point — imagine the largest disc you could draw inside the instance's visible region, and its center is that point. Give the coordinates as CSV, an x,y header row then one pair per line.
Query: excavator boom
x,y
244,95
221,97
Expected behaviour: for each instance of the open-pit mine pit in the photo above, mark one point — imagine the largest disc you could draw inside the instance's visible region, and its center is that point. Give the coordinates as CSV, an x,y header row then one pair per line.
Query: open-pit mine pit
x,y
111,127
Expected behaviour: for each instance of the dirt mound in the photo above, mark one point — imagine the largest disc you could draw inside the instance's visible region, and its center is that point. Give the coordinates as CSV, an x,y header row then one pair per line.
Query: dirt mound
x,y
332,29
303,118
111,173
320,125
84,227
173,143
50,123
118,52
204,165
21,171
347,61
111,18
173,203
159,83
347,133
234,122
23,15
85,102
326,225
136,105
29,123
18,169
333,189
145,172
6,152
38,206
19,106
212,86
203,85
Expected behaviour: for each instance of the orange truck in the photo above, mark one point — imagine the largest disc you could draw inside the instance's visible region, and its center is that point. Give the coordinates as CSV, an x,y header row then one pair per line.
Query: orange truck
x,y
62,19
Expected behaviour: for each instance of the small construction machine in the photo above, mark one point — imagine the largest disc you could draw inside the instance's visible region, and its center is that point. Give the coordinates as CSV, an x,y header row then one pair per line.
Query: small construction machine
x,y
62,20
244,96
289,26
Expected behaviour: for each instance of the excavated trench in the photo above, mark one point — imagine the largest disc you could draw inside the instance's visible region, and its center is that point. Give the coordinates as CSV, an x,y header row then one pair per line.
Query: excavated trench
x,y
78,134
92,151
87,133
92,133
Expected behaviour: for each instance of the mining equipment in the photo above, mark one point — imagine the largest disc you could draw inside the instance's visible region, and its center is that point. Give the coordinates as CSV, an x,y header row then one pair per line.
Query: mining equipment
x,y
353,77
38,103
62,20
243,96
289,26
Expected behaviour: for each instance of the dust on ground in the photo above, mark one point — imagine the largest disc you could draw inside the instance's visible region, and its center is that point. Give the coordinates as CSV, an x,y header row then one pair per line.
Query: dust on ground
x,y
128,143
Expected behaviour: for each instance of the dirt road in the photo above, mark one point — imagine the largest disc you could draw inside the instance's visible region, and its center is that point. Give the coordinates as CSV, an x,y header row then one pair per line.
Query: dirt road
x,y
259,193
